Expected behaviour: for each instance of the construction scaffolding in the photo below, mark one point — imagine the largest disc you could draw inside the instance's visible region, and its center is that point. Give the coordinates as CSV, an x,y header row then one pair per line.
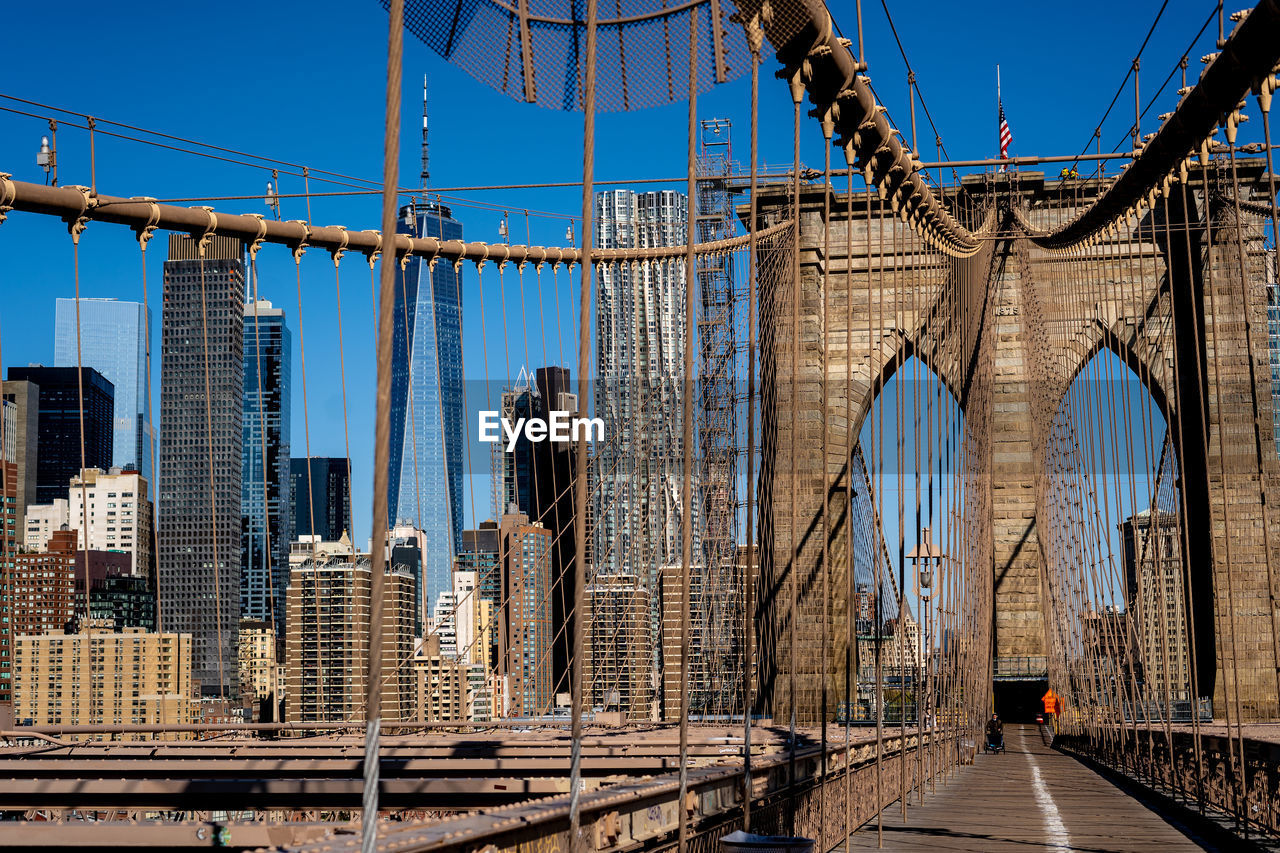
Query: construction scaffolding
x,y
715,649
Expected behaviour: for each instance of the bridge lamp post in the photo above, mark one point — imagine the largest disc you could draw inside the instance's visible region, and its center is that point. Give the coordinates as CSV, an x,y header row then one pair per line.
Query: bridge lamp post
x,y
47,156
504,230
925,555
272,199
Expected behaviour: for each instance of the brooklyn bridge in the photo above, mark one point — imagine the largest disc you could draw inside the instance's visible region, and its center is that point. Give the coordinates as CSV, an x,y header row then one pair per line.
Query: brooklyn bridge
x,y
890,445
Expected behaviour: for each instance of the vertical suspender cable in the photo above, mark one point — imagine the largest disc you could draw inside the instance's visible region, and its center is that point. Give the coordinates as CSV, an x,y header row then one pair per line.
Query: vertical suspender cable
x,y
851,437
793,560
580,471
828,129
686,528
382,424
755,38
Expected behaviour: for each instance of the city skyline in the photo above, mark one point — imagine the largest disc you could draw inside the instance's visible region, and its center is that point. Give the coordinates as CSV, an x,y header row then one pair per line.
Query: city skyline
x,y
306,130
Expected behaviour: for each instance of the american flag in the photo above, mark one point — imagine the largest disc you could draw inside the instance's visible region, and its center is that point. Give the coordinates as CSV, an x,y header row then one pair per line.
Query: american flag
x,y
1006,135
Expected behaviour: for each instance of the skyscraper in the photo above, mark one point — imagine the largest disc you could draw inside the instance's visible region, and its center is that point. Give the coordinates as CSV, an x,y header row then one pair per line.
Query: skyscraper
x,y
524,633
425,477
201,406
58,428
327,642
23,419
553,472
638,471
1155,602
9,536
119,517
322,497
113,341
266,511
513,469
478,556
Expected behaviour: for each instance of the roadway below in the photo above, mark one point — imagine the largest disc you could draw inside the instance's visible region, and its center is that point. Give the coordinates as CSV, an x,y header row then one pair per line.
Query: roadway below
x,y
1031,798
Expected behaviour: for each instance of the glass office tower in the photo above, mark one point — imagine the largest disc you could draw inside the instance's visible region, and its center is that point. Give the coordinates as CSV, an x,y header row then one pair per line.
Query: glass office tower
x,y
113,341
425,478
321,497
266,511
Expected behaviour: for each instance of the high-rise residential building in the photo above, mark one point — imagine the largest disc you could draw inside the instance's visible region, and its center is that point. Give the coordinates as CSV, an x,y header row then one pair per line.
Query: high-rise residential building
x,y
119,516
327,642
638,472
478,556
617,647
266,511
444,623
58,429
425,484
440,682
42,520
100,676
202,396
113,340
41,586
405,547
37,594
524,615
1154,600
22,417
260,669
9,537
321,488
473,624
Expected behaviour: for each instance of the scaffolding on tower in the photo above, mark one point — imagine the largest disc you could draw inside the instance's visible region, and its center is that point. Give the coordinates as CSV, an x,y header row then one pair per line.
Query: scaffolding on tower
x,y
716,613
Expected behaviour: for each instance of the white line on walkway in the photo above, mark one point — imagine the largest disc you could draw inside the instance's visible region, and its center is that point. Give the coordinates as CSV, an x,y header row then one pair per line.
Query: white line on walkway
x,y
1058,839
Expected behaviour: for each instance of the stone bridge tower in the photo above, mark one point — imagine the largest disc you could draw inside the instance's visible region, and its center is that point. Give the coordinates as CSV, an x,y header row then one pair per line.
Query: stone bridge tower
x,y
871,295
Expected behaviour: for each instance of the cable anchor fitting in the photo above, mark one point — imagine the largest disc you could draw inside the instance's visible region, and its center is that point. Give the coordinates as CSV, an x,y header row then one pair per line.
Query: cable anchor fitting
x,y
146,232
204,240
372,255
300,248
77,223
337,253
258,240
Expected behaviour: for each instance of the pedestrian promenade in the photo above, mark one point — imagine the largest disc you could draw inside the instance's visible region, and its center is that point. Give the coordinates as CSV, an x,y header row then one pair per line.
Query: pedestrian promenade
x,y
1029,799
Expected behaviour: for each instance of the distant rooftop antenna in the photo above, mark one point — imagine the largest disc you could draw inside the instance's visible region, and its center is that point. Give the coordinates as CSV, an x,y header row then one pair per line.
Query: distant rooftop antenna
x,y
426,172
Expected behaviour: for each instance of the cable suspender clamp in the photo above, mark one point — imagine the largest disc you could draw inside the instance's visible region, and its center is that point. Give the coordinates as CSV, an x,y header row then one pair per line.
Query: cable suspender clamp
x,y
256,244
206,238
403,257
147,231
372,255
77,222
300,248
337,253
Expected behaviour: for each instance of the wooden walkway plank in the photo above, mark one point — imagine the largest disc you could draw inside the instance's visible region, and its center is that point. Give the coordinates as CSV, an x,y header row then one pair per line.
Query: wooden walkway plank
x,y
1029,799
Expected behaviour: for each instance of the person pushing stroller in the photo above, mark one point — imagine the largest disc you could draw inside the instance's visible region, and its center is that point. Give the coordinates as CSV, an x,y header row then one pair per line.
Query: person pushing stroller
x,y
995,734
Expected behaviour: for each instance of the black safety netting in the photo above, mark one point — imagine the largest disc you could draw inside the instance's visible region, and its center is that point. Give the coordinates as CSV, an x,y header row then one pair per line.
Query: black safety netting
x,y
642,47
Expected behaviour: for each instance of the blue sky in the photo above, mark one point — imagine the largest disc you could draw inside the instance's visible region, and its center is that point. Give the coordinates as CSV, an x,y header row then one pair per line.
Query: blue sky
x,y
306,85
